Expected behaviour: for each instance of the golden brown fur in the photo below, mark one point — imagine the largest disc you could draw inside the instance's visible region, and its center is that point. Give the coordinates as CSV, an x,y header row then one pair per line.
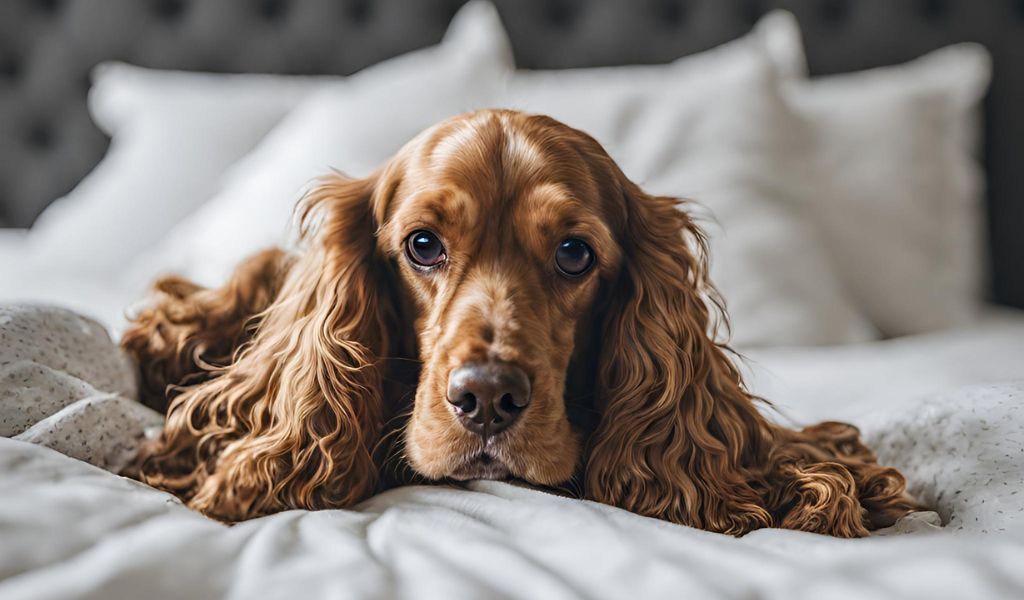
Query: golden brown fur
x,y
291,399
189,327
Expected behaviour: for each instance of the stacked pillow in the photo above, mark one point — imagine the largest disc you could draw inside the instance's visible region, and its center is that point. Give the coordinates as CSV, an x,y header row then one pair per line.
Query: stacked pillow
x,y
836,207
896,191
173,135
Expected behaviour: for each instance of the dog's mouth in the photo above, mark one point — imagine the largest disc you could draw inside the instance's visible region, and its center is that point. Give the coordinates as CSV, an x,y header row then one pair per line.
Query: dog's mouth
x,y
482,465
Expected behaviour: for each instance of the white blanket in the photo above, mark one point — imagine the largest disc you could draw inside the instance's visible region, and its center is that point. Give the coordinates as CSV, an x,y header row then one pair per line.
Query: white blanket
x,y
69,529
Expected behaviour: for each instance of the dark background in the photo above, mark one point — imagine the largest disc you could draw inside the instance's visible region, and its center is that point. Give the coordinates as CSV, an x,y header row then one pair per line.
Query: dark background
x,y
48,47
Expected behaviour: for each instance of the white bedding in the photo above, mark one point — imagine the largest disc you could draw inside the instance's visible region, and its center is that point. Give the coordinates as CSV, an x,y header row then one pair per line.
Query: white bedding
x,y
70,529
851,380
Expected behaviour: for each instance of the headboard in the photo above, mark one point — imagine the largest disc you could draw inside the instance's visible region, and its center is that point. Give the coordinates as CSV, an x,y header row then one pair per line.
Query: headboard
x,y
48,47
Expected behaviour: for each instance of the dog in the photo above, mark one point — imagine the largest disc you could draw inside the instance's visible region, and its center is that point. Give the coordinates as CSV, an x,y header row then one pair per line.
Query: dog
x,y
498,301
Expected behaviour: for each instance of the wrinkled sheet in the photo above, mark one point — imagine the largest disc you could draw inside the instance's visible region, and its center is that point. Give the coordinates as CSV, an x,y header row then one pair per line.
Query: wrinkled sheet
x,y
69,529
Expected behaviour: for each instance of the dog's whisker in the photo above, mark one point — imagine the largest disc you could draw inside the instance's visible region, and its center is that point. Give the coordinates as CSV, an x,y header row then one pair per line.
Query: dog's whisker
x,y
401,359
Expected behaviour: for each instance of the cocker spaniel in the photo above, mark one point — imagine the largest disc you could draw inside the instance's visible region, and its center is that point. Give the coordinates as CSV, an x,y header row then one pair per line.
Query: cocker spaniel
x,y
498,301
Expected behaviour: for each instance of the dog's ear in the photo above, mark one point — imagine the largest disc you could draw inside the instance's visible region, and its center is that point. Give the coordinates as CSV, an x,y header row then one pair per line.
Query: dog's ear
x,y
187,330
676,426
679,436
292,422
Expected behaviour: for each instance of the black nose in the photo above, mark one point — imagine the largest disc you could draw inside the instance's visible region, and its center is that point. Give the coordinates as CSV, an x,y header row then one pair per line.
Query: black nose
x,y
488,397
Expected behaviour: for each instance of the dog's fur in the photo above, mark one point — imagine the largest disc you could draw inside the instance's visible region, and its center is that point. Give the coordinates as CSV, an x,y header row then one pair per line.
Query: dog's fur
x,y
283,389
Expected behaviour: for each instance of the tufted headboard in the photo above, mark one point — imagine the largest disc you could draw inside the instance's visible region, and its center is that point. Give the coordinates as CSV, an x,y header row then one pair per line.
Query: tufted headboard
x,y
48,47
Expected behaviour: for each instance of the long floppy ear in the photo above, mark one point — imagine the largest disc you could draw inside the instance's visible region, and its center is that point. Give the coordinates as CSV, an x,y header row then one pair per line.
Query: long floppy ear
x,y
187,328
676,427
680,438
293,420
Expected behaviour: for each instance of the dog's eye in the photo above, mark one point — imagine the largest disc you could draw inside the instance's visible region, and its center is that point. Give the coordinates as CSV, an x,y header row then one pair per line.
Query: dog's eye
x,y
425,249
574,257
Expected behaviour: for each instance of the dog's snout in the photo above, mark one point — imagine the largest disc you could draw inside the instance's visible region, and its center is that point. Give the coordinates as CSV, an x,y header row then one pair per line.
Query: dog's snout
x,y
488,397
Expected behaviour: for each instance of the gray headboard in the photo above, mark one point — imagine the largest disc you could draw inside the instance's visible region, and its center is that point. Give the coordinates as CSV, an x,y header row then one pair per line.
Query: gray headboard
x,y
47,48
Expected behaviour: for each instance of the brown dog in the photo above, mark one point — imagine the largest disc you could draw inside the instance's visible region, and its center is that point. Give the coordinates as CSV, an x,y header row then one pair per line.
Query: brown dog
x,y
559,325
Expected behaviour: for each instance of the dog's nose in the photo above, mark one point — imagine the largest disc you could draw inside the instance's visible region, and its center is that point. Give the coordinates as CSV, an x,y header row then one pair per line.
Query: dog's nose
x,y
488,397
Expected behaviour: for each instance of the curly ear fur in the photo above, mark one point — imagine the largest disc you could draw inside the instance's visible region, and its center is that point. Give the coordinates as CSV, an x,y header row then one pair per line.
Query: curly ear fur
x,y
680,438
292,421
189,328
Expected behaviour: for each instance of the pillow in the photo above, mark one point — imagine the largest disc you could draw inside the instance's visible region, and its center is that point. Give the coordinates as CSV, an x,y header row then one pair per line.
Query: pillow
x,y
353,126
895,188
712,127
173,134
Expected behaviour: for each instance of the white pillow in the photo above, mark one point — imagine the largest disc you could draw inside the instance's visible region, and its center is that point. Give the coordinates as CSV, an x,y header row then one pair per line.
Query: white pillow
x,y
173,134
897,190
712,127
352,126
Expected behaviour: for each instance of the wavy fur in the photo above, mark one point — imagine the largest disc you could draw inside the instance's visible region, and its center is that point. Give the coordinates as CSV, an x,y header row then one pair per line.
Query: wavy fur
x,y
681,439
292,421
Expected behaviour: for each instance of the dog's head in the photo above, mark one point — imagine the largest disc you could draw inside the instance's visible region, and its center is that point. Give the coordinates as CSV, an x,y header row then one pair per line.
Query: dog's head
x,y
534,277
502,227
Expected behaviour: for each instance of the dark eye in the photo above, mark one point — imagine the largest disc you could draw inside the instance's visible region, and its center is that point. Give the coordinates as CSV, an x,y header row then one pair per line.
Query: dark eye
x,y
425,249
574,257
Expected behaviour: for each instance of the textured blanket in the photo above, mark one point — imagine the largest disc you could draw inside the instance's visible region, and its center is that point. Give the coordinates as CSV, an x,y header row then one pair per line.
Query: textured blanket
x,y
71,529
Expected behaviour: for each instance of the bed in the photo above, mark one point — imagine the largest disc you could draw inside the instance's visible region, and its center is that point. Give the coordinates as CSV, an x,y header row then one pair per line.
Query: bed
x,y
72,529
905,321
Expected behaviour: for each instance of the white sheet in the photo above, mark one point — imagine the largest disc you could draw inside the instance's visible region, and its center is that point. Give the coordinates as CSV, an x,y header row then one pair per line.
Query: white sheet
x,y
69,530
849,381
